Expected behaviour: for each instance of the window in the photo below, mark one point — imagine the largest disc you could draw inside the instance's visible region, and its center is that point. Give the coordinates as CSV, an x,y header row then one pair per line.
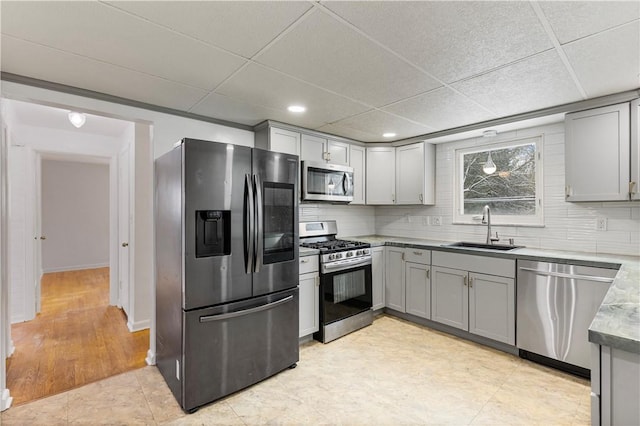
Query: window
x,y
505,176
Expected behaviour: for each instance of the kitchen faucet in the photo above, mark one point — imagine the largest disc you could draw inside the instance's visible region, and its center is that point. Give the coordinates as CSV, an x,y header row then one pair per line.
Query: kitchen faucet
x,y
486,218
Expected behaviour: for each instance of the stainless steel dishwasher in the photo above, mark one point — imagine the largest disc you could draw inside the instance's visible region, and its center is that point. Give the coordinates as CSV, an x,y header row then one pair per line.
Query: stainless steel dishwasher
x,y
555,306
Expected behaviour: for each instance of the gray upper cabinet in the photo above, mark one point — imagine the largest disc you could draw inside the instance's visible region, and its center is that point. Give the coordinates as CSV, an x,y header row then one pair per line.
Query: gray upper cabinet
x,y
402,175
357,160
475,294
316,148
415,174
635,150
597,154
277,140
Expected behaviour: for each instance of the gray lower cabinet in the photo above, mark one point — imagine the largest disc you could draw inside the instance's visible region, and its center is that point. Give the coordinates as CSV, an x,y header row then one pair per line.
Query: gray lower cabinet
x,y
615,386
418,289
378,277
472,299
394,287
408,286
449,297
309,286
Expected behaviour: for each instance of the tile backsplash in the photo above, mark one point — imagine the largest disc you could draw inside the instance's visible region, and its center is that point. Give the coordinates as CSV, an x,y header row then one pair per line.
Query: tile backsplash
x,y
568,226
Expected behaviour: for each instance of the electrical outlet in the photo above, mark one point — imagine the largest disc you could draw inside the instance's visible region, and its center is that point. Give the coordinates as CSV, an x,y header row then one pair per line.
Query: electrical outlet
x,y
601,224
436,220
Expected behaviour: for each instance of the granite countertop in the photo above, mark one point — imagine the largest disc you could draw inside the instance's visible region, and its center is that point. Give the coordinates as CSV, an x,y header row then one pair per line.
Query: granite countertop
x,y
617,323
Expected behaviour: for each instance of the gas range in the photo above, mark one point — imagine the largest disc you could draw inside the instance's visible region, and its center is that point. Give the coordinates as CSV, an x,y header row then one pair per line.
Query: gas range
x,y
334,253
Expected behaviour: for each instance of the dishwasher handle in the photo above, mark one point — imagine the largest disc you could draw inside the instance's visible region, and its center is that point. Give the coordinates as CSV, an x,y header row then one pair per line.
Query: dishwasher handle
x,y
565,275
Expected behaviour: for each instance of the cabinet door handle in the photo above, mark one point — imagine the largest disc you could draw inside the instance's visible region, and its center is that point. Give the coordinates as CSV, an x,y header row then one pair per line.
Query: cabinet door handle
x,y
465,281
417,253
393,198
403,256
632,187
470,282
304,260
428,274
420,197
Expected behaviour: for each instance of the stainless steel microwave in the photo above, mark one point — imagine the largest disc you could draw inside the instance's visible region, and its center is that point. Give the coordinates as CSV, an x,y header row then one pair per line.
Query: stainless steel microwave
x,y
326,182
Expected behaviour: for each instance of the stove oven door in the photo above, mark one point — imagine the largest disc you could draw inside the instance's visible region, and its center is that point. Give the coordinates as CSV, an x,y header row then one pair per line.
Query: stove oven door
x,y
344,293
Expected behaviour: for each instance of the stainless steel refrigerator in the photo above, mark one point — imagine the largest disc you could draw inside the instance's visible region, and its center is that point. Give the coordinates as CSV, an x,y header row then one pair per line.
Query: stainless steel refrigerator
x,y
226,268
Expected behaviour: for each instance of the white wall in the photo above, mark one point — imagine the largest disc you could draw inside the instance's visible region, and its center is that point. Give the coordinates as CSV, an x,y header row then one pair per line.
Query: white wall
x,y
75,215
568,226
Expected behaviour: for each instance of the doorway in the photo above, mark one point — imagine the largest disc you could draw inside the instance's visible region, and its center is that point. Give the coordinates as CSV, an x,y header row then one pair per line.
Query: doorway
x,y
84,281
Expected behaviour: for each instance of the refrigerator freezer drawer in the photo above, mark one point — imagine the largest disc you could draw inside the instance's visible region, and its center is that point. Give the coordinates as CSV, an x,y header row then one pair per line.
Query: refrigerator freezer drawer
x,y
233,346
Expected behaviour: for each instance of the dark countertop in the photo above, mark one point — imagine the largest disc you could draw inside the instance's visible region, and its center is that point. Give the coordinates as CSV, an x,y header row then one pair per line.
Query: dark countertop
x,y
617,323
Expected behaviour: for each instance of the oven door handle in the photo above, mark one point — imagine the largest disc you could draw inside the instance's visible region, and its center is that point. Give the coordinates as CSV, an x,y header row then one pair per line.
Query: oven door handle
x,y
345,264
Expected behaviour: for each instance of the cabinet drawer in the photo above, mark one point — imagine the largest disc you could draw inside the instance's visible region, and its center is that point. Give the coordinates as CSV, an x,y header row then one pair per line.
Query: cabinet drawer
x,y
417,256
482,264
308,264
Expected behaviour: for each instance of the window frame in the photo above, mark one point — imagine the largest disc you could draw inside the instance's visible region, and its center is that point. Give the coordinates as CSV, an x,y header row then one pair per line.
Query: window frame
x,y
536,220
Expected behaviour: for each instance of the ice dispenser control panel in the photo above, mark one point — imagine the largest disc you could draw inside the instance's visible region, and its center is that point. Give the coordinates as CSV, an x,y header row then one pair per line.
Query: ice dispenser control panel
x,y
213,233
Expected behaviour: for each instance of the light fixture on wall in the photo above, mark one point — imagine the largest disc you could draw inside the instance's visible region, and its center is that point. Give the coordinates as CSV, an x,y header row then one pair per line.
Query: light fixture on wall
x,y
489,167
77,118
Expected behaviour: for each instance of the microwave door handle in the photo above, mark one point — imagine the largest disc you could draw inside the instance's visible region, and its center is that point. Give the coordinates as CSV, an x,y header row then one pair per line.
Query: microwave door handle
x,y
346,183
259,234
249,224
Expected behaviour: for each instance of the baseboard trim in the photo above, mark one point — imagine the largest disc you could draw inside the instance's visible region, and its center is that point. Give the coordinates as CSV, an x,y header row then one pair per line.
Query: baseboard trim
x,y
138,325
76,267
5,401
151,357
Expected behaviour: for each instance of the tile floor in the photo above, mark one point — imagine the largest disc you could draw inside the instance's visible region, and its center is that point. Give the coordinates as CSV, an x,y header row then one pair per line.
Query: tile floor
x,y
393,372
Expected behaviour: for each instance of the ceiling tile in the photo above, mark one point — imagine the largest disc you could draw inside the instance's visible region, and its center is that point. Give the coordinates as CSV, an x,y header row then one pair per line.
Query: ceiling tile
x,y
452,40
537,82
572,20
101,32
348,132
329,54
602,70
243,27
262,86
377,122
24,58
441,109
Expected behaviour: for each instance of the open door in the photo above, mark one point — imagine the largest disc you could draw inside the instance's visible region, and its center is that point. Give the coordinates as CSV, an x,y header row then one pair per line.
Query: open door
x,y
123,228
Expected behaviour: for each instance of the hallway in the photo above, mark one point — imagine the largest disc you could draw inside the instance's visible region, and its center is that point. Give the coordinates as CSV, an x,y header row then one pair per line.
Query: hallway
x,y
76,339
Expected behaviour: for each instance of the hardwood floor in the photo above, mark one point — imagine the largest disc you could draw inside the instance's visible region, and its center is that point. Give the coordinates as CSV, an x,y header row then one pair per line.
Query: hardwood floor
x,y
76,339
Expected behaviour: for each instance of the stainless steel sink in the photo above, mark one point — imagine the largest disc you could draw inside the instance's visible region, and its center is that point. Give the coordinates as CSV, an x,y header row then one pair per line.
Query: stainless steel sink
x,y
465,244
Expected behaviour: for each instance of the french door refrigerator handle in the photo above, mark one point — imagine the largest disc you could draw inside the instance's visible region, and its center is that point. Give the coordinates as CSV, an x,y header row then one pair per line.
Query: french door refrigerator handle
x,y
243,312
249,224
259,234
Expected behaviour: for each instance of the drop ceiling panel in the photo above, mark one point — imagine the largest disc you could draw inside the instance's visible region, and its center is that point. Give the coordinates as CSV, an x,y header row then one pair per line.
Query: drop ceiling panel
x,y
348,132
441,109
601,69
572,20
377,122
451,40
261,86
238,26
101,32
327,53
27,59
536,82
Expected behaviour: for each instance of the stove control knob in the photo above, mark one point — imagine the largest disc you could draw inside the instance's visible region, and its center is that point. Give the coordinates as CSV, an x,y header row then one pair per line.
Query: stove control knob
x,y
350,254
332,256
337,255
365,251
359,252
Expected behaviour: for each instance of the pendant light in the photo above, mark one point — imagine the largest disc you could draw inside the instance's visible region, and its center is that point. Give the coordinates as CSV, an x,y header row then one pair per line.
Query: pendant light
x,y
77,119
489,167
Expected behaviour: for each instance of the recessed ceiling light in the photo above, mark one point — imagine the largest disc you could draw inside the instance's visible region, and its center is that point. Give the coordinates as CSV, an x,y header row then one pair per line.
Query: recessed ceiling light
x,y
388,135
296,108
77,119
